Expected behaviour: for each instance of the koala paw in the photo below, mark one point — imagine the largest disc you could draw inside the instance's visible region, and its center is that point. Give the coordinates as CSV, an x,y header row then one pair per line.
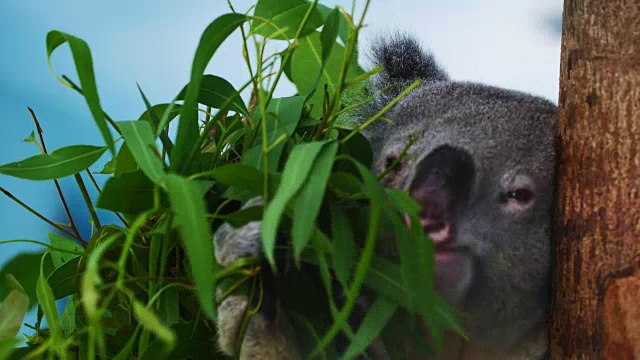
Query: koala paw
x,y
269,334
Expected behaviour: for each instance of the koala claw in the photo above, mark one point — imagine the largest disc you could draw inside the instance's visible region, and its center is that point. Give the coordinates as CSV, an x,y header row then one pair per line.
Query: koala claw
x,y
266,337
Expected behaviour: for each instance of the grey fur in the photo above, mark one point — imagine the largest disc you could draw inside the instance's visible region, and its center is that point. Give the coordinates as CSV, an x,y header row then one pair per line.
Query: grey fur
x,y
510,136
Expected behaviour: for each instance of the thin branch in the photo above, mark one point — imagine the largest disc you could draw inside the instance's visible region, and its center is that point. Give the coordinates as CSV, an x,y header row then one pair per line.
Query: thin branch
x,y
95,184
55,181
87,200
31,210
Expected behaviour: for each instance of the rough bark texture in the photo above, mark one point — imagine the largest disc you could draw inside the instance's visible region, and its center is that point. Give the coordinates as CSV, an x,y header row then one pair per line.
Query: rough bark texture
x,y
596,300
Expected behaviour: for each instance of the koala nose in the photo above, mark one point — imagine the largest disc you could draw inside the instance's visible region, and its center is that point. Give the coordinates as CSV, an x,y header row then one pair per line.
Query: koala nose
x,y
442,181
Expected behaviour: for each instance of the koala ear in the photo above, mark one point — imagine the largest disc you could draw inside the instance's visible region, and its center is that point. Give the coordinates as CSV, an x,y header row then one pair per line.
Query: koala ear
x,y
403,61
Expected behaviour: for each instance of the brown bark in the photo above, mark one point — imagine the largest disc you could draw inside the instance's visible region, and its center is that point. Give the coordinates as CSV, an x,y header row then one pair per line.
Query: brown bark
x,y
596,300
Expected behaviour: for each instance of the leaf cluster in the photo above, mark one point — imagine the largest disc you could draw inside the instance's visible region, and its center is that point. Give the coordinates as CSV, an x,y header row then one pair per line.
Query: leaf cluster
x,y
145,287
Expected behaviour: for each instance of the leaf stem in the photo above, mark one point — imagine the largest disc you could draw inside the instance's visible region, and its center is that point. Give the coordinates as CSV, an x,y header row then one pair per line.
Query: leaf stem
x,y
87,200
379,114
31,210
95,184
51,248
55,181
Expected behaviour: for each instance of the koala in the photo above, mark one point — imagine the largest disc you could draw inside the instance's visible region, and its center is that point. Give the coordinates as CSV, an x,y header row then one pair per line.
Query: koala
x,y
483,169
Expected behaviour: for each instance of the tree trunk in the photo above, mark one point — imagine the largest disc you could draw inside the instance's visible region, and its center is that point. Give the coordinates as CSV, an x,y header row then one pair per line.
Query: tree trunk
x,y
596,300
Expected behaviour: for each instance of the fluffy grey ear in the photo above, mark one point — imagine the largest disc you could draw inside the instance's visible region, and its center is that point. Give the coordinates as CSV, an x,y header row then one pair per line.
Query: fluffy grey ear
x,y
403,61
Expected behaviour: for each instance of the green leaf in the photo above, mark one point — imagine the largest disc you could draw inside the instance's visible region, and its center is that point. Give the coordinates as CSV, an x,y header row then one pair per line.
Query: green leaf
x,y
307,65
8,347
377,317
61,163
65,280
329,33
47,303
109,167
32,138
307,201
357,147
155,121
125,162
25,268
345,28
283,116
218,93
139,137
193,338
173,112
374,192
402,202
150,322
68,317
243,216
84,67
284,18
131,193
191,217
344,253
241,177
90,295
294,176
12,310
211,39
57,257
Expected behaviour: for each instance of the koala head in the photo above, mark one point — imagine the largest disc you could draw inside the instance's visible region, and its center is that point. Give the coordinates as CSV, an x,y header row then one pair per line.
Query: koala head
x,y
483,168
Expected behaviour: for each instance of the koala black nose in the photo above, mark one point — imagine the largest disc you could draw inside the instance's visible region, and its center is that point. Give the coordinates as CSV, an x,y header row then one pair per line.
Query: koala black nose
x,y
442,181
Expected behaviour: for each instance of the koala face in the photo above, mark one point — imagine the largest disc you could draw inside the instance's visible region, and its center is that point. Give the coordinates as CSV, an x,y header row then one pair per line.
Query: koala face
x,y
483,169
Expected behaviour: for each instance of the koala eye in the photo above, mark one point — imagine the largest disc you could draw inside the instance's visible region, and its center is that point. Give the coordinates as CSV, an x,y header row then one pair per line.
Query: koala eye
x,y
520,195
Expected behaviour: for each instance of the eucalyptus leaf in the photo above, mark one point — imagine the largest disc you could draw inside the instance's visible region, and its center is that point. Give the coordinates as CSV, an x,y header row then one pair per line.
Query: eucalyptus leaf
x,y
377,317
190,216
140,140
309,72
84,66
65,279
218,93
344,254
155,121
125,162
47,303
329,33
210,40
61,163
282,118
13,309
58,241
306,204
294,175
8,348
281,19
150,322
131,193
25,268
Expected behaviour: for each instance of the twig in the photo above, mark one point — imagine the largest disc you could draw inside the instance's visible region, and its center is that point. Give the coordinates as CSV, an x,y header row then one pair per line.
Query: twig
x,y
95,184
31,210
87,200
55,181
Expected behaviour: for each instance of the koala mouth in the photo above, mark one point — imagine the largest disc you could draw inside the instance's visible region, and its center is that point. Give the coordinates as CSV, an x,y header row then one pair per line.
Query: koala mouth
x,y
442,236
